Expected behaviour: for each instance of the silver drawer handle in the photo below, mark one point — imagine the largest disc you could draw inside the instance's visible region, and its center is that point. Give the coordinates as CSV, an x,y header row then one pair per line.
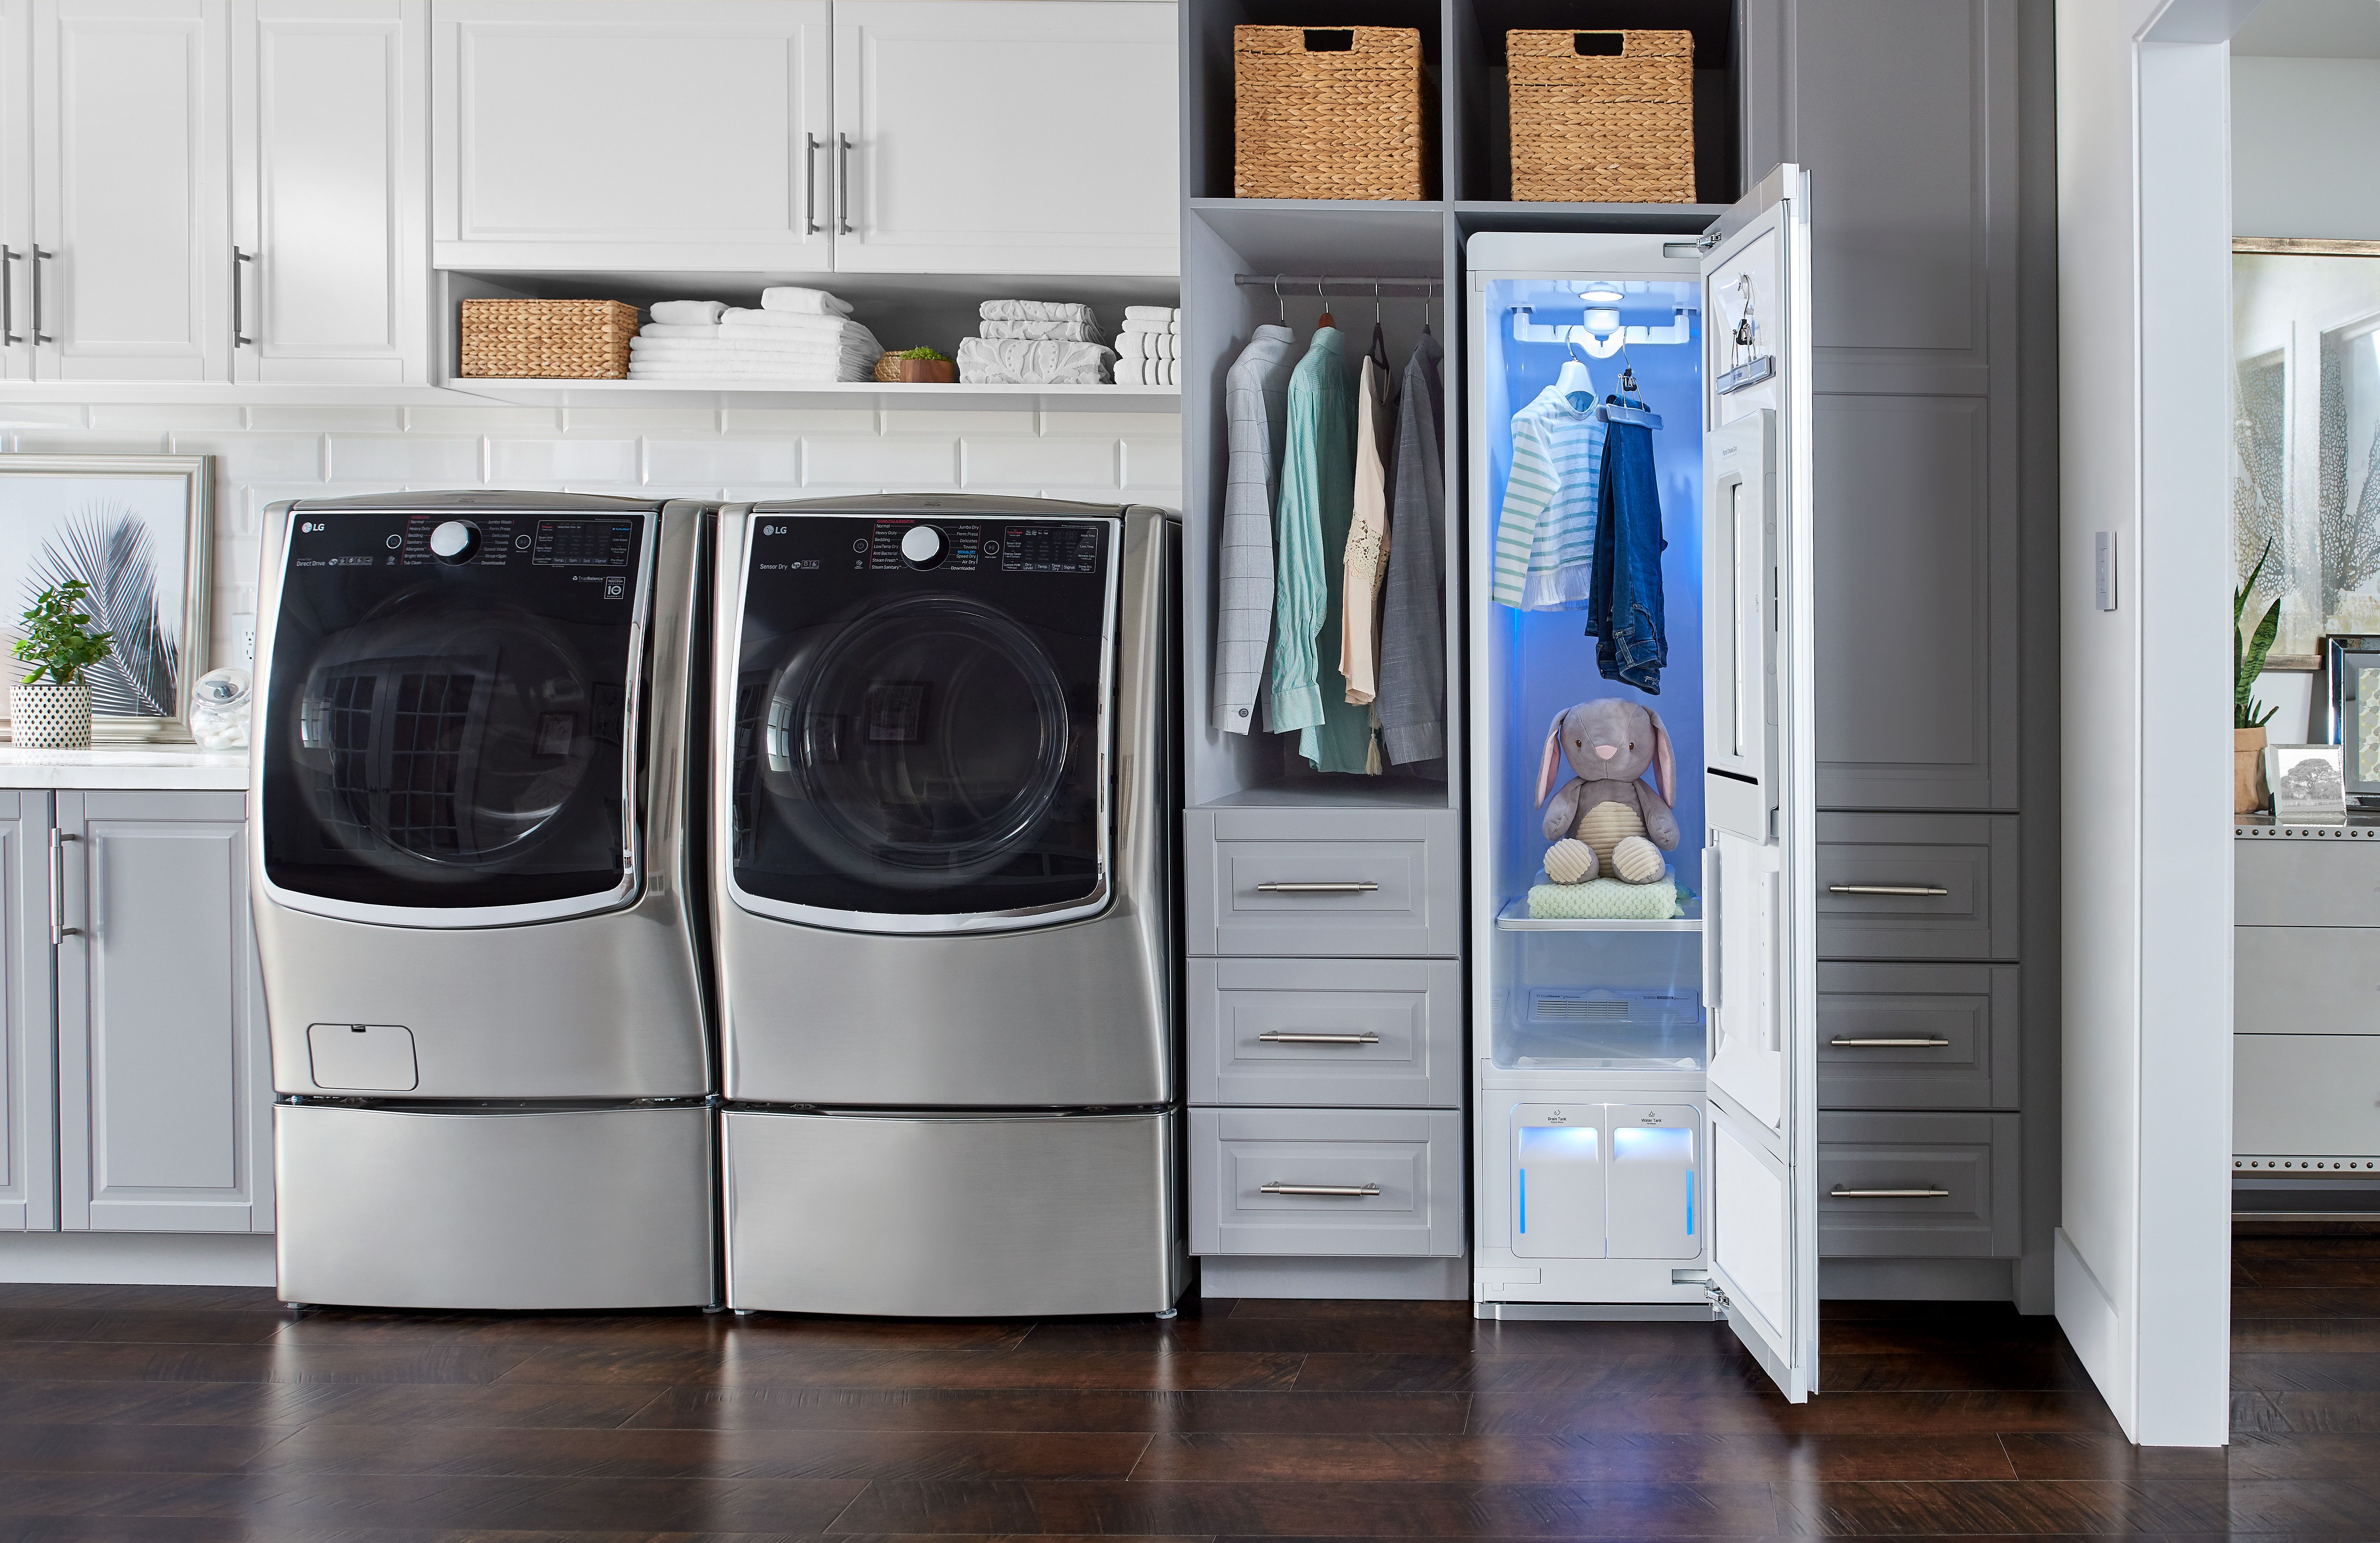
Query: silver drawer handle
x,y
1839,1193
1271,1037
1885,1044
1886,889
1359,1191
1336,886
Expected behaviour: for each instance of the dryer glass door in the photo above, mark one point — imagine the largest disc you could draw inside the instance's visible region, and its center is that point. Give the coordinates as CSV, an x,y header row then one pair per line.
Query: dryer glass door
x,y
920,722
450,704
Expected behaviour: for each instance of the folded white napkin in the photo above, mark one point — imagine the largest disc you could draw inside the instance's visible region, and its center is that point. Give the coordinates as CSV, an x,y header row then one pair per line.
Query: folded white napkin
x,y
1035,310
678,330
686,314
1151,314
793,299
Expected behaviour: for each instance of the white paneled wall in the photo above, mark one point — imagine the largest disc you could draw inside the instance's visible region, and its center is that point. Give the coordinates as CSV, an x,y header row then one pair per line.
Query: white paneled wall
x,y
270,454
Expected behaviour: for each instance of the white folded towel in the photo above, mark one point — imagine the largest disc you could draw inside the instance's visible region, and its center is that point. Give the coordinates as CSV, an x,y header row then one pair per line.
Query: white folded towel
x,y
1151,314
785,323
1035,310
1045,332
1022,362
799,301
806,371
677,330
1145,326
687,313
1148,345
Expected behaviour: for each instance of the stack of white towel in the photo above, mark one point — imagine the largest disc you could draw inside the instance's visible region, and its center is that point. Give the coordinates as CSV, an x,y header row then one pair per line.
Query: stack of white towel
x,y
1148,348
1035,343
796,335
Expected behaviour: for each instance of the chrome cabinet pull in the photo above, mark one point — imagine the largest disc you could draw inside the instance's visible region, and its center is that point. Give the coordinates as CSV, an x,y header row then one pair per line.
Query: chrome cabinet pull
x,y
843,184
239,339
1337,886
1886,889
1839,1193
1885,1044
8,332
40,256
1274,1036
1356,1192
59,930
809,182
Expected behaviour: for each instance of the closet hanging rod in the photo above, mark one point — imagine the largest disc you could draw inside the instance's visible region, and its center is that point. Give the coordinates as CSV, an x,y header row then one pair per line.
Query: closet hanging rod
x,y
1343,286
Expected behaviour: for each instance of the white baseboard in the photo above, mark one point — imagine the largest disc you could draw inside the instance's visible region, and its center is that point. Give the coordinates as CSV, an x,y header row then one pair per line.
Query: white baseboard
x,y
138,1258
2096,1330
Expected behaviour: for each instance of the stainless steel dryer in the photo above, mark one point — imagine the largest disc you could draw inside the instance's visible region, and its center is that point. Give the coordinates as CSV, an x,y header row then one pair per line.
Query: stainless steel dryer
x,y
469,814
943,907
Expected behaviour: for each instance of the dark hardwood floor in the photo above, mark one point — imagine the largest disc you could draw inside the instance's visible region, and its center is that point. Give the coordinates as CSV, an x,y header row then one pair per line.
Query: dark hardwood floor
x,y
184,1415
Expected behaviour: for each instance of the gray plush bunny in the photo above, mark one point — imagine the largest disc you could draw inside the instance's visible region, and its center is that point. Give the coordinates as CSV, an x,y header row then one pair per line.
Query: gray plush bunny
x,y
1604,820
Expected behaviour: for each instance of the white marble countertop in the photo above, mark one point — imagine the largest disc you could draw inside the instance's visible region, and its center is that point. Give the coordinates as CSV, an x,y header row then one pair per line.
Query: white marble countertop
x,y
125,766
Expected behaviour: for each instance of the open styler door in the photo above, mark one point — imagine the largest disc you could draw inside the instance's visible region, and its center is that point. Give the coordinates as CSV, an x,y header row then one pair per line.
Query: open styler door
x,y
1760,911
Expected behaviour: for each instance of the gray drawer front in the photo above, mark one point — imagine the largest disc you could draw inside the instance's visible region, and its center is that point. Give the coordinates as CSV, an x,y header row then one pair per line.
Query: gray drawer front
x,y
1411,857
1411,1008
1413,1157
1975,1156
2305,980
2279,882
1970,857
1972,1007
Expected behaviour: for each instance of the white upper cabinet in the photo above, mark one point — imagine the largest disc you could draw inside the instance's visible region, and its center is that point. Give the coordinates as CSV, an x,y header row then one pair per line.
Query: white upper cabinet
x,y
625,134
16,188
330,146
1006,135
131,279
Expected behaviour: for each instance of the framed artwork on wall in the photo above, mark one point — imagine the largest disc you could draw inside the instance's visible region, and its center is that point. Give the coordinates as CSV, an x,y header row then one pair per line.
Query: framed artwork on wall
x,y
2305,461
137,530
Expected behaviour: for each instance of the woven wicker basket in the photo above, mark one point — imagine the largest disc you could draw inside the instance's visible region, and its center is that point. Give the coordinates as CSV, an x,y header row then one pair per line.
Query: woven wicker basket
x,y
1602,128
562,340
1335,112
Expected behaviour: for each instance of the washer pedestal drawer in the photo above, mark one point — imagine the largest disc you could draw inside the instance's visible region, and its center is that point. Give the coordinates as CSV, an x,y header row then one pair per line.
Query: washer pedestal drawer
x,y
1326,1182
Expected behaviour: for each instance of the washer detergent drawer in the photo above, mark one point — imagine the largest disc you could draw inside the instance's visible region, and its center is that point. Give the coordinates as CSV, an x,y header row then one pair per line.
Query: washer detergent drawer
x,y
1385,1182
494,1210
1359,1032
1324,881
969,1216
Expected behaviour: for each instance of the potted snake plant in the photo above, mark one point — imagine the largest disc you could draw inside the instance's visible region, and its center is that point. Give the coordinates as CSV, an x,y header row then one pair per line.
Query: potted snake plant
x,y
50,708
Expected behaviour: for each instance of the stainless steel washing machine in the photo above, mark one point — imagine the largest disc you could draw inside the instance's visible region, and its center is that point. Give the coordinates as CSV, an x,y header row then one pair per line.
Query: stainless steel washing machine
x,y
469,791
942,901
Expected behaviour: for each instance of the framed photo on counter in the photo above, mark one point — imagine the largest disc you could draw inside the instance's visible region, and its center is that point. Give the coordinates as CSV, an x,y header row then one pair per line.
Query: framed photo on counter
x,y
138,530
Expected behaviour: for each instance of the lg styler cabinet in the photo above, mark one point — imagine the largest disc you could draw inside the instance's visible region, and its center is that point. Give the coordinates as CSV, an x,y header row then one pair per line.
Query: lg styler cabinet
x,y
1644,1099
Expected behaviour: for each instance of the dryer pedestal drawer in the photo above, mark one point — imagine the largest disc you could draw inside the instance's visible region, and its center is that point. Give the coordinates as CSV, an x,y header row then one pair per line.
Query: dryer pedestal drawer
x,y
1918,1186
1316,1181
1324,881
1917,1036
1370,1033
1917,886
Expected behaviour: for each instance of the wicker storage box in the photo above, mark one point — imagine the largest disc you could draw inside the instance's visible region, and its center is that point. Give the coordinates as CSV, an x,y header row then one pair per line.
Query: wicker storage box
x,y
559,340
1614,124
1328,113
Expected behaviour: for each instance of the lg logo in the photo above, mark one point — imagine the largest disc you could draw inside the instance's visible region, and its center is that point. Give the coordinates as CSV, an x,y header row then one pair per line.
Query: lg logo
x,y
774,529
310,528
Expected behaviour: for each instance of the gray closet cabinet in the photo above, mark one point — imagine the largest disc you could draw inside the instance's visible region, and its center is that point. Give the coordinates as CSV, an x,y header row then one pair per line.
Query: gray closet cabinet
x,y
150,1049
1928,129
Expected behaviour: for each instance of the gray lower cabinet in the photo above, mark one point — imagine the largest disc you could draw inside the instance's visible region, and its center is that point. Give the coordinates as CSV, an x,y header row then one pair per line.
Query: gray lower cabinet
x,y
1323,882
1917,1036
1930,1185
1327,1182
138,907
29,1155
1355,1032
1917,886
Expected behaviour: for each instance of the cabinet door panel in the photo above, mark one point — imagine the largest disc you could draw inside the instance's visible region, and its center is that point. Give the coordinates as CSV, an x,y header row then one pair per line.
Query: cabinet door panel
x,y
329,160
16,188
626,134
27,1062
1008,136
1916,607
129,154
163,1104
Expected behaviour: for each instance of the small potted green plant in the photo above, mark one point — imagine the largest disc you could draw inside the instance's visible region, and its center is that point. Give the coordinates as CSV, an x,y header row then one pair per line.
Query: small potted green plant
x,y
50,708
925,364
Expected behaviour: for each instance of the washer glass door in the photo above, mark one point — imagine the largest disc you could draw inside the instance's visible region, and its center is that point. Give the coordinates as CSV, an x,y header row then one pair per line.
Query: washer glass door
x,y
921,721
450,710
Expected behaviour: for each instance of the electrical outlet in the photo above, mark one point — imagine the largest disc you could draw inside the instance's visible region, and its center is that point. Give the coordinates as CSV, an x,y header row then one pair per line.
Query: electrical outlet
x,y
243,640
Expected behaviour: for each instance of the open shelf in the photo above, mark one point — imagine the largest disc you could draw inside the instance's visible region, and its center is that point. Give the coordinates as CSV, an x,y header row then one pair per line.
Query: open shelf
x,y
1308,235
1516,917
821,393
1474,215
1338,793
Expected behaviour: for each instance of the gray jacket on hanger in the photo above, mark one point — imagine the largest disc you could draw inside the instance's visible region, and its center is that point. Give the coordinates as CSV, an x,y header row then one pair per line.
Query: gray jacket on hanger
x,y
1412,701
1256,396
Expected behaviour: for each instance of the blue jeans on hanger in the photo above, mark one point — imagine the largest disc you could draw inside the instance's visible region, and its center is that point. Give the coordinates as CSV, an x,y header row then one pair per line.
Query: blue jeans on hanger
x,y
1624,613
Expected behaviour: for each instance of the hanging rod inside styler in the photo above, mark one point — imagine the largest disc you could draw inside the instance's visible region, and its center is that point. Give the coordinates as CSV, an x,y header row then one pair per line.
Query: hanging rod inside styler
x,y
1344,286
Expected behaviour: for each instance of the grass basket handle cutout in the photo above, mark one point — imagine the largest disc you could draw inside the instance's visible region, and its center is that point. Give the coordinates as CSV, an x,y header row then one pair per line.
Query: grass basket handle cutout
x,y
1592,44
1323,40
